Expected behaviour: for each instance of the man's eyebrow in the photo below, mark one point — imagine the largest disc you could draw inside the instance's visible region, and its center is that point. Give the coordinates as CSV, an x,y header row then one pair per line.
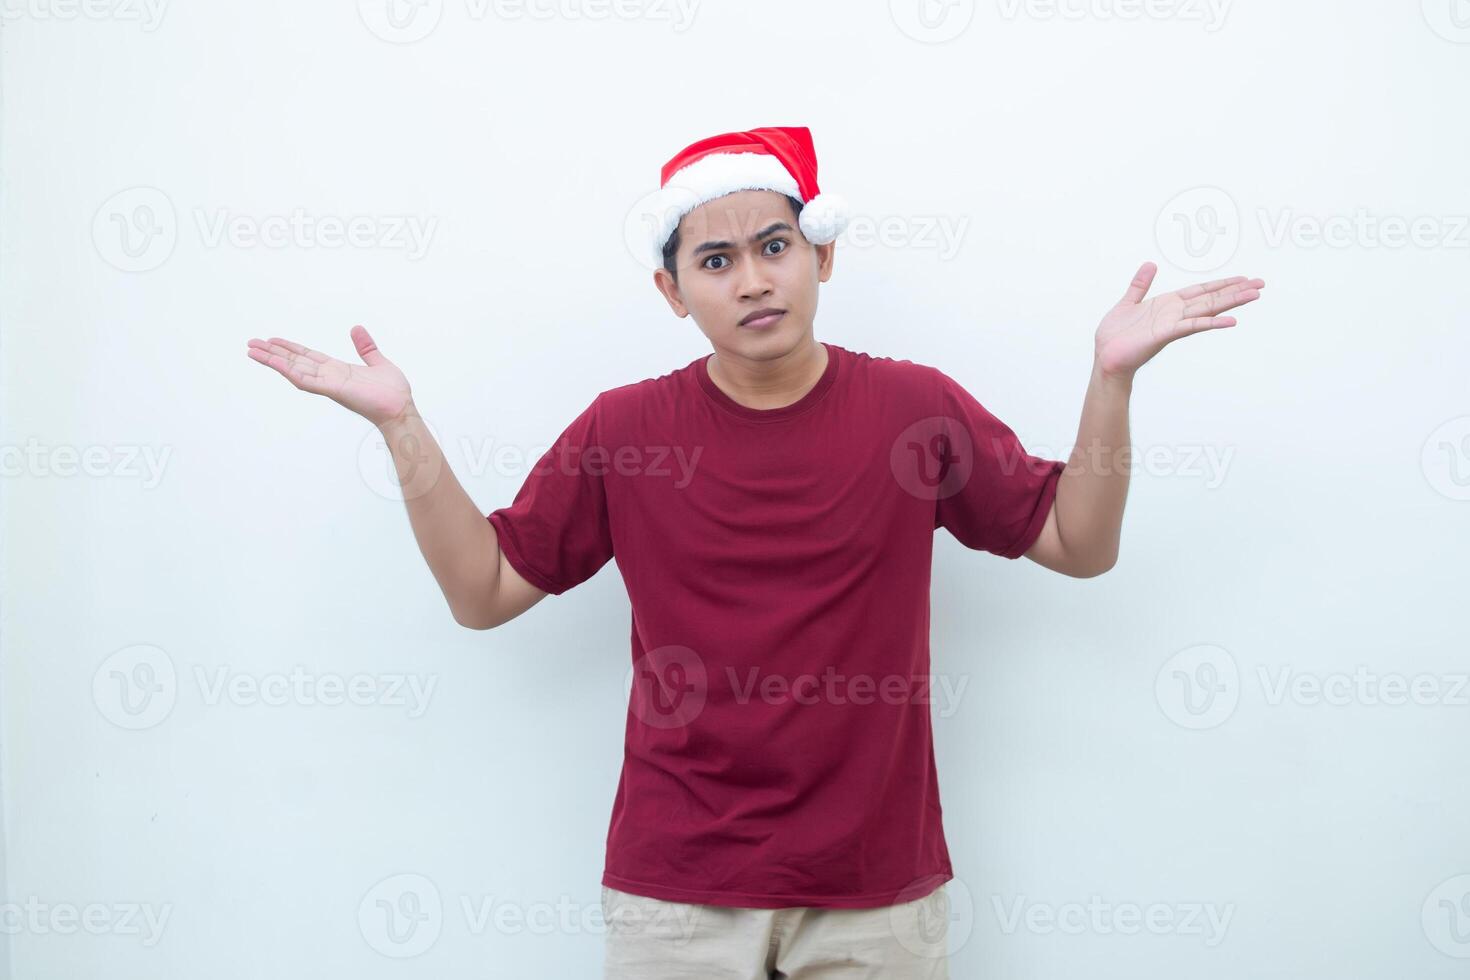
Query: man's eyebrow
x,y
769,231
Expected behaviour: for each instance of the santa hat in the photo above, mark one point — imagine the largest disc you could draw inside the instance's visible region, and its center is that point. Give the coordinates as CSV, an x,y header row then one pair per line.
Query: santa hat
x,y
772,158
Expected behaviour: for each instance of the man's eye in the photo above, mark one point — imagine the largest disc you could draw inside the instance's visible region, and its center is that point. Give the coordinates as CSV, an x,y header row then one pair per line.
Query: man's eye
x,y
711,259
777,241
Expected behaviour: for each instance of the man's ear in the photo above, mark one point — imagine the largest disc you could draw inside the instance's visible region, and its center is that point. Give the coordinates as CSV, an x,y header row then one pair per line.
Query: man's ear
x,y
665,284
825,254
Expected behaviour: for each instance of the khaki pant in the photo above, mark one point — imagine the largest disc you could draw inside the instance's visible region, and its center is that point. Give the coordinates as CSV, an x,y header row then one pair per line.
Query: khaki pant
x,y
651,939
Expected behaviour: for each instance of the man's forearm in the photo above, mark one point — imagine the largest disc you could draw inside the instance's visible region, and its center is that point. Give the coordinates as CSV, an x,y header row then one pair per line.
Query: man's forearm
x,y
1094,486
458,543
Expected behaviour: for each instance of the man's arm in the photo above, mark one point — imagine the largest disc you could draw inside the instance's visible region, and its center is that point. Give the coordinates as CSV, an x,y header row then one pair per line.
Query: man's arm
x,y
1080,536
1082,531
461,547
458,542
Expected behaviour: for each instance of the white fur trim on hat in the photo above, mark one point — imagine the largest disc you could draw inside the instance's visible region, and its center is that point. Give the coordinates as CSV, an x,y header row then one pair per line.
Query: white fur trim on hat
x,y
718,174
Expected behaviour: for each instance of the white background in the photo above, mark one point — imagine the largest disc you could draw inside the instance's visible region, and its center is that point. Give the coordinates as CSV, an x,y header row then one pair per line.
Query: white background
x,y
1304,514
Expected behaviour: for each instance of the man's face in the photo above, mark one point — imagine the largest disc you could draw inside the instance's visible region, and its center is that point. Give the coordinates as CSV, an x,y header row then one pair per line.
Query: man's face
x,y
740,254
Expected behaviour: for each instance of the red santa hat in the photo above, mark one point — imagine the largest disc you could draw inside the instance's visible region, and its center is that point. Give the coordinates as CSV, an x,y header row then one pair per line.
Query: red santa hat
x,y
772,158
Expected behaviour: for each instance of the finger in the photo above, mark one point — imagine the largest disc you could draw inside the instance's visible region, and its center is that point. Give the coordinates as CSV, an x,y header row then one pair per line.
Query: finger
x,y
291,363
1234,284
366,349
1142,279
1195,324
293,369
1228,299
1190,292
274,346
296,348
300,362
285,364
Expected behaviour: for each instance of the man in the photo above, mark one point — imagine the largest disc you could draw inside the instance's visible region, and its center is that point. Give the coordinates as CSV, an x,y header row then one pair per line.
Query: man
x,y
771,507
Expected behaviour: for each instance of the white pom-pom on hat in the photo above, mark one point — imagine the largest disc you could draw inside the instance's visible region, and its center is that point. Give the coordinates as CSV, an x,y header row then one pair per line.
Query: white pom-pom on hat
x,y
824,217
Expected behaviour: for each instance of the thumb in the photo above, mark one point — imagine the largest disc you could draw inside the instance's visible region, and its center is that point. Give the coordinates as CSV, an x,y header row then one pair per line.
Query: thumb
x,y
1142,279
366,349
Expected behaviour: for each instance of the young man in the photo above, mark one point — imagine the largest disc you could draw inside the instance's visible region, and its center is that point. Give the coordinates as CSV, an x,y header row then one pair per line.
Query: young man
x,y
771,507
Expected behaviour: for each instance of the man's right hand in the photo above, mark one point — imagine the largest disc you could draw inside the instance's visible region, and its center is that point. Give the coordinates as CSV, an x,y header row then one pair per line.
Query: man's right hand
x,y
375,389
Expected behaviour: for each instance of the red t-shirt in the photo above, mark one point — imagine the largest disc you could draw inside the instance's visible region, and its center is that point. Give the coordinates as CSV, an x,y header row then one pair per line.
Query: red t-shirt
x,y
778,749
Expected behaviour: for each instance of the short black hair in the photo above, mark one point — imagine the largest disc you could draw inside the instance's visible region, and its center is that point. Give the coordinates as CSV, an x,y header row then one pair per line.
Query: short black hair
x,y
671,247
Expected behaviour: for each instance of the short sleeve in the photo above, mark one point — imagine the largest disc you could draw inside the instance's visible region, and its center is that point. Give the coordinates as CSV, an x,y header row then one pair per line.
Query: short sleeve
x,y
555,532
1001,496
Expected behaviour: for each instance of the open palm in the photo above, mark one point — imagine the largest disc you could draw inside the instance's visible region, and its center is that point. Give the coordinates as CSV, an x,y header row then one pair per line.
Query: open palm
x,y
1135,329
374,389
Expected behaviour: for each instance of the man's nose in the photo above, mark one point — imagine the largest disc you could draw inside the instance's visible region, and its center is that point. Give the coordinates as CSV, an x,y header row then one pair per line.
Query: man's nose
x,y
754,283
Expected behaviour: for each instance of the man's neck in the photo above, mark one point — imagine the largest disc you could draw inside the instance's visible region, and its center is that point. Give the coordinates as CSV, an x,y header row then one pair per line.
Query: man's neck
x,y
769,384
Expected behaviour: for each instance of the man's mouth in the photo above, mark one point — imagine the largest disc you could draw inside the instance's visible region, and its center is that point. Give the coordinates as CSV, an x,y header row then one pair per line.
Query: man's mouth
x,y
763,318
